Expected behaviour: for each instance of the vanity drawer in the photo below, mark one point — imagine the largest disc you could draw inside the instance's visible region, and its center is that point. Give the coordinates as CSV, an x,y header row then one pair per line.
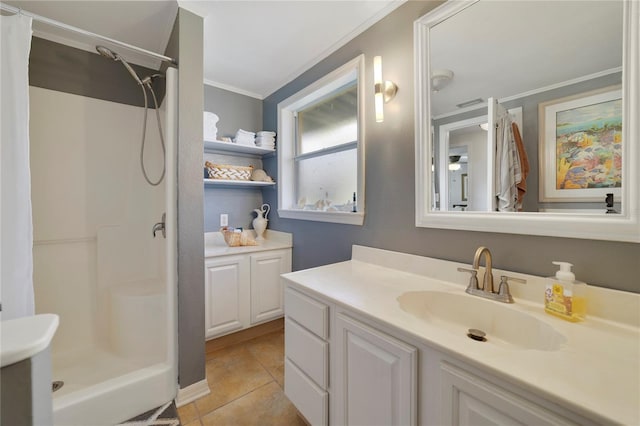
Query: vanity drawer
x,y
307,351
307,312
309,399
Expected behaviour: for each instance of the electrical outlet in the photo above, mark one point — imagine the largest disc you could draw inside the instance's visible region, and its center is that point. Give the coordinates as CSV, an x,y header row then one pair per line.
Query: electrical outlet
x,y
224,219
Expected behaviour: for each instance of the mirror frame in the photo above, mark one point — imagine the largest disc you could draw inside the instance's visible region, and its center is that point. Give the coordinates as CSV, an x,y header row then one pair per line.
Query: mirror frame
x,y
619,227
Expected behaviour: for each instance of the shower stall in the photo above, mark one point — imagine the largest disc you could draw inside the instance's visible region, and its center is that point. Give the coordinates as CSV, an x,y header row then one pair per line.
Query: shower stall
x,y
103,196
97,262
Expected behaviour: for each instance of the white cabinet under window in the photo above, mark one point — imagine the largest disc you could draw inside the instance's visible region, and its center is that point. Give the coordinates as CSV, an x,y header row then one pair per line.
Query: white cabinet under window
x,y
266,284
226,293
243,290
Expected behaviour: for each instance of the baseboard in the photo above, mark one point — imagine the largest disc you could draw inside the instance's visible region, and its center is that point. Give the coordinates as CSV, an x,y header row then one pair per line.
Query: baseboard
x,y
192,392
244,335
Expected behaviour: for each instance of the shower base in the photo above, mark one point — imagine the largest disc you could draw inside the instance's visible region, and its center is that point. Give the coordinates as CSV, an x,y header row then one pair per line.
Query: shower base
x,y
93,376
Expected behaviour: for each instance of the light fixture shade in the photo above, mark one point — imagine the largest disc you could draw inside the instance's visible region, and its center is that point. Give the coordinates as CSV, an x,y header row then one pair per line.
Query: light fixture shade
x,y
379,105
440,78
384,90
377,69
377,81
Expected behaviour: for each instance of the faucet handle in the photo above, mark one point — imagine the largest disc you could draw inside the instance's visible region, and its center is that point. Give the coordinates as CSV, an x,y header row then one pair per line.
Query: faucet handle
x,y
473,280
503,289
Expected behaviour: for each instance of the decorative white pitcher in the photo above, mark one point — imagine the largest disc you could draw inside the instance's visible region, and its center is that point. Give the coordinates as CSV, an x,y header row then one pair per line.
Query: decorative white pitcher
x,y
260,222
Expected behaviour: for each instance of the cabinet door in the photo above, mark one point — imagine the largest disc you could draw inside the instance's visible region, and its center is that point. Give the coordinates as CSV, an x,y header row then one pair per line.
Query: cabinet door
x,y
226,295
471,400
374,377
267,300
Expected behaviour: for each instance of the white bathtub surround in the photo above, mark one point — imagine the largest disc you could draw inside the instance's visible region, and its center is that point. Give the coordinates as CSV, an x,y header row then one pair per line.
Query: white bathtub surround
x,y
591,373
96,263
16,226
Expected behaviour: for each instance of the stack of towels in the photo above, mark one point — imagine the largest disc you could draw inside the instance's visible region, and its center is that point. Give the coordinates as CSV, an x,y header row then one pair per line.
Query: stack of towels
x,y
210,130
266,139
245,138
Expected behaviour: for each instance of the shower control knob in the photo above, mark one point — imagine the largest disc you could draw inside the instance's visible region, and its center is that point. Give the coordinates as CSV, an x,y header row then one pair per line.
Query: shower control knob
x,y
160,226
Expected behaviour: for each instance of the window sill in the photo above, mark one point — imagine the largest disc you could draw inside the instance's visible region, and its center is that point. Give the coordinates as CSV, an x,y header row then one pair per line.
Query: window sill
x,y
346,218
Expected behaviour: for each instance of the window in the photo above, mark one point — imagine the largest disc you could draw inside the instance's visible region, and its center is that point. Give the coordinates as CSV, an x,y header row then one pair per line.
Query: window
x,y
321,149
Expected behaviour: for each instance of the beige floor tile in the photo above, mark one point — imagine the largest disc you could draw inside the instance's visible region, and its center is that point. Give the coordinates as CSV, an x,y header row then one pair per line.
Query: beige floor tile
x,y
188,413
278,374
269,351
264,406
193,423
231,373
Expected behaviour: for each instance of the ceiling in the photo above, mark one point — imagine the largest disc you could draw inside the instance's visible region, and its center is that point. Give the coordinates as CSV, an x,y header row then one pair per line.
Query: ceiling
x,y
502,49
250,47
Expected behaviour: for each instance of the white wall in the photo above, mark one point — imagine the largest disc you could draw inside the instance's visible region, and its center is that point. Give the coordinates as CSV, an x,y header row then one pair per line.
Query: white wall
x,y
92,210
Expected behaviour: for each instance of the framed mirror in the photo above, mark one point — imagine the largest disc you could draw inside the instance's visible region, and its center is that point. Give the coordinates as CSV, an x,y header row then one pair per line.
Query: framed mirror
x,y
538,106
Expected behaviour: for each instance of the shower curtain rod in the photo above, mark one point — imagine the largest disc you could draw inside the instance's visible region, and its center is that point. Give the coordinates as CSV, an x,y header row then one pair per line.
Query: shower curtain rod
x,y
64,26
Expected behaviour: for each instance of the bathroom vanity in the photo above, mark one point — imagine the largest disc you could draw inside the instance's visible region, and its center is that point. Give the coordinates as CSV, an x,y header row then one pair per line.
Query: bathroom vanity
x,y
242,284
382,339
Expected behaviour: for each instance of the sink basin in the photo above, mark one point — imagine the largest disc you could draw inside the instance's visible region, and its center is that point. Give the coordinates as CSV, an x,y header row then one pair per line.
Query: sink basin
x,y
503,324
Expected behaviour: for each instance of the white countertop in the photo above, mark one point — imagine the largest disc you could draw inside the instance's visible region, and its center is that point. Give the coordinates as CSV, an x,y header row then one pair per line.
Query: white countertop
x,y
25,337
214,244
596,373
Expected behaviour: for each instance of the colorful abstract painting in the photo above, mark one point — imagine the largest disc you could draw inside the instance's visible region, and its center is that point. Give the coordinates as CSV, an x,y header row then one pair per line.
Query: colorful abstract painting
x,y
589,146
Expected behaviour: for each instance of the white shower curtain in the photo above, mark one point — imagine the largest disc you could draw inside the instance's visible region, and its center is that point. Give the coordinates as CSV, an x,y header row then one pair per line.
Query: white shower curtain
x,y
16,228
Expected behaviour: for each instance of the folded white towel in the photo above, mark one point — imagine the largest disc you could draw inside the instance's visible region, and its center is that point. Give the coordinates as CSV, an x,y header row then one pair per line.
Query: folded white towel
x,y
246,133
210,131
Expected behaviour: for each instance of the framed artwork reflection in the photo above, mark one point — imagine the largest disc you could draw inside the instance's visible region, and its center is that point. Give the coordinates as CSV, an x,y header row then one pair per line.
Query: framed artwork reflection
x,y
580,147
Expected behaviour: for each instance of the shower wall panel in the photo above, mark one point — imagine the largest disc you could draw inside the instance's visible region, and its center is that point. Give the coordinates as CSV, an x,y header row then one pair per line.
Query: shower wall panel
x,y
92,210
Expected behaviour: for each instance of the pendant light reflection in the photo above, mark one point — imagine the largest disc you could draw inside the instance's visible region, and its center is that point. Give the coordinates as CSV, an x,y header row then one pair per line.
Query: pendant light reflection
x,y
385,90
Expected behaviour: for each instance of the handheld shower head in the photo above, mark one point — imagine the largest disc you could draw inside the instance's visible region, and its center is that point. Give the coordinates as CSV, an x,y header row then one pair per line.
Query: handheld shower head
x,y
108,53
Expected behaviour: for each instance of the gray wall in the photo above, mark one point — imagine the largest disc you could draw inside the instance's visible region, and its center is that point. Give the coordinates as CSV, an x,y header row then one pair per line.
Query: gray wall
x,y
186,44
235,112
390,201
66,69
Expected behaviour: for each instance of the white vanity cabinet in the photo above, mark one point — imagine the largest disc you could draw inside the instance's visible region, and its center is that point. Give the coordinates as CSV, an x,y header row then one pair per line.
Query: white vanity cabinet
x,y
343,368
306,347
244,290
468,399
374,376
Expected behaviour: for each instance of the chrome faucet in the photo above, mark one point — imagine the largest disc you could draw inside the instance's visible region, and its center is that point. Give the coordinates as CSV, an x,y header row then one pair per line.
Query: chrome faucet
x,y
503,294
487,284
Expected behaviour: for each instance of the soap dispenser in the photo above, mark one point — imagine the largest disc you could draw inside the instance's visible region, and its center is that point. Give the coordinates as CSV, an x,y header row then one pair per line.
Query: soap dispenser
x,y
564,296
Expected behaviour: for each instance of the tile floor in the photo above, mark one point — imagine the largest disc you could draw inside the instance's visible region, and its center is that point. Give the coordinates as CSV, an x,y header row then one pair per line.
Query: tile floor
x,y
247,387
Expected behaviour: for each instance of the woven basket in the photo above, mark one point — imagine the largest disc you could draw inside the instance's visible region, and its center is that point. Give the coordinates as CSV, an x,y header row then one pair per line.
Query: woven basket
x,y
235,239
228,172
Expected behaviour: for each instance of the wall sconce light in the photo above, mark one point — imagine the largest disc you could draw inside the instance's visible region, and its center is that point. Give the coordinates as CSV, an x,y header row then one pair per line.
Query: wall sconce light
x,y
385,90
